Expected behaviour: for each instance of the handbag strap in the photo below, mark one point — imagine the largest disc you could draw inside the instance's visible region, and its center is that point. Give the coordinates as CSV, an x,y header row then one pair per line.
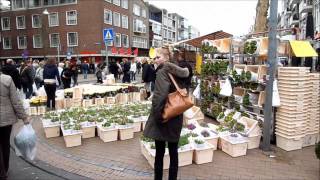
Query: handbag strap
x,y
174,81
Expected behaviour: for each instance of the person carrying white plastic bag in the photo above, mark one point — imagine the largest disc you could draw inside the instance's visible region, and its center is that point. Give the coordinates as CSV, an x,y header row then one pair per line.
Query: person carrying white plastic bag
x,y
25,142
11,109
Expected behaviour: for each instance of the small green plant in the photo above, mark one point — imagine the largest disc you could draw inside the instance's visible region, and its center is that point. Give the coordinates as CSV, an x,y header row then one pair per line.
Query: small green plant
x,y
250,47
183,141
76,126
203,124
106,124
221,115
198,141
246,100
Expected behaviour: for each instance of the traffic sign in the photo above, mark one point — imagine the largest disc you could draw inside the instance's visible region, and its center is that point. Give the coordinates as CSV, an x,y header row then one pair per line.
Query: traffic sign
x,y
108,34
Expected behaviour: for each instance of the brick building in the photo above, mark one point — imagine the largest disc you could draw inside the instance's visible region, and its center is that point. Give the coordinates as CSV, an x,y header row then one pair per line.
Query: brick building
x,y
54,28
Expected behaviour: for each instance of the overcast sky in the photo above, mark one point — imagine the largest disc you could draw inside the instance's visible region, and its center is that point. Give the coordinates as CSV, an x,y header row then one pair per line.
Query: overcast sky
x,y
232,16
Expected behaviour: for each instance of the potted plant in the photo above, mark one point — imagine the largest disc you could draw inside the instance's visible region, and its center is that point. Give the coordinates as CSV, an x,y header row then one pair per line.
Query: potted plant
x,y
185,151
72,134
210,138
199,143
235,145
126,131
51,125
108,132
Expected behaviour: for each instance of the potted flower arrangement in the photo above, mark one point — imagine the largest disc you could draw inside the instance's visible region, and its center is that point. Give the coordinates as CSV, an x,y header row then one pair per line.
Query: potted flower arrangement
x,y
125,127
71,134
51,125
210,138
203,152
88,126
108,131
185,151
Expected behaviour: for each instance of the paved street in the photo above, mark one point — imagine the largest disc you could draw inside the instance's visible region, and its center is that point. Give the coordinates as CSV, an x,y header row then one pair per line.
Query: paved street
x,y
123,160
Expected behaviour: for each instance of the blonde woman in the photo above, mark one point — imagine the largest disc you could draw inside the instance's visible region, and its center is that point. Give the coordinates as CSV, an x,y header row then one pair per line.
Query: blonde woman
x,y
170,130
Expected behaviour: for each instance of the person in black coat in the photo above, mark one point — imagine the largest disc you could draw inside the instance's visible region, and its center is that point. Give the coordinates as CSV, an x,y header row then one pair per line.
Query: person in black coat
x,y
126,71
66,75
27,78
11,70
158,130
113,69
182,62
148,76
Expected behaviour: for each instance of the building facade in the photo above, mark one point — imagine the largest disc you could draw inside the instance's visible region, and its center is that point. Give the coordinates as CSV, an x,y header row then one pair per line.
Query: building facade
x,y
304,15
55,28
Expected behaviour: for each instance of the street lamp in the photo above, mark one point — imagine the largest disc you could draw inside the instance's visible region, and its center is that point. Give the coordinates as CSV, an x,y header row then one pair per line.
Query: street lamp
x,y
45,12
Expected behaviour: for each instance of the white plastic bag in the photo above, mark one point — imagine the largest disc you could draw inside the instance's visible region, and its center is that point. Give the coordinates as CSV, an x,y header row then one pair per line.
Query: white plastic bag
x,y
196,92
21,94
226,89
275,94
41,91
25,142
60,94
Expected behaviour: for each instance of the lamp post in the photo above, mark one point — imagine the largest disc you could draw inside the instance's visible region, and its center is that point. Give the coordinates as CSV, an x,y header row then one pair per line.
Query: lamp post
x,y
45,12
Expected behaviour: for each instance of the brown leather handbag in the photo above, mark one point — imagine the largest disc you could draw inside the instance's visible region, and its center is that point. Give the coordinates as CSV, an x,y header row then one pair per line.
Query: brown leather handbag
x,y
177,102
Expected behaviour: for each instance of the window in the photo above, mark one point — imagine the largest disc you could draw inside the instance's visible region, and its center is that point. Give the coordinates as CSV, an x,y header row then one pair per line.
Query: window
x,y
22,42
53,19
116,19
6,42
118,40
124,21
72,39
125,40
5,23
124,4
21,22
144,13
18,4
107,17
50,2
139,42
139,26
34,3
37,41
54,40
136,10
108,1
67,1
71,17
36,21
116,2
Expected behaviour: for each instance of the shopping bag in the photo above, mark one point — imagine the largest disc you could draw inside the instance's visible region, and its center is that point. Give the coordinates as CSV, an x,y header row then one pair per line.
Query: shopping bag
x,y
21,94
35,90
226,89
60,94
196,92
25,142
41,91
275,94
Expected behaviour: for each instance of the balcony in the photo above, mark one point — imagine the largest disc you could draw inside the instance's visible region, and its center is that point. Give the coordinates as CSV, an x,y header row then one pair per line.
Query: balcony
x,y
294,20
306,7
291,2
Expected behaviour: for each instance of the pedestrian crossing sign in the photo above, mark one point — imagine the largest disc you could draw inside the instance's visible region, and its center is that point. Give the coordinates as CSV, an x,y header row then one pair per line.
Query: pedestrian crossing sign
x,y
108,34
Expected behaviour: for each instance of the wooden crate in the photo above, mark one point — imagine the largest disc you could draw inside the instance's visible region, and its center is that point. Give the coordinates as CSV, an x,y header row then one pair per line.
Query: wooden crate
x,y
234,149
263,71
262,98
72,140
60,104
203,155
53,131
126,133
77,103
77,92
185,157
111,100
88,132
137,126
87,103
108,135
254,141
41,110
289,144
99,101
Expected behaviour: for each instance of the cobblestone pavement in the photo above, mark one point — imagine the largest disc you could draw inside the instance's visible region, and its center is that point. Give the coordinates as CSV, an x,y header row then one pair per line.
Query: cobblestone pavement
x,y
123,160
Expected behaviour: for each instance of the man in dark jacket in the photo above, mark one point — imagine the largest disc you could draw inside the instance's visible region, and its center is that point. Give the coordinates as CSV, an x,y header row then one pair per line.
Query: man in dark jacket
x,y
148,76
27,78
85,69
113,69
126,71
11,70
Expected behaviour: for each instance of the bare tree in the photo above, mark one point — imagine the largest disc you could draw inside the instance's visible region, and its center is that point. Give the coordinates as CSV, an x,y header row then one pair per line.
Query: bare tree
x,y
261,16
